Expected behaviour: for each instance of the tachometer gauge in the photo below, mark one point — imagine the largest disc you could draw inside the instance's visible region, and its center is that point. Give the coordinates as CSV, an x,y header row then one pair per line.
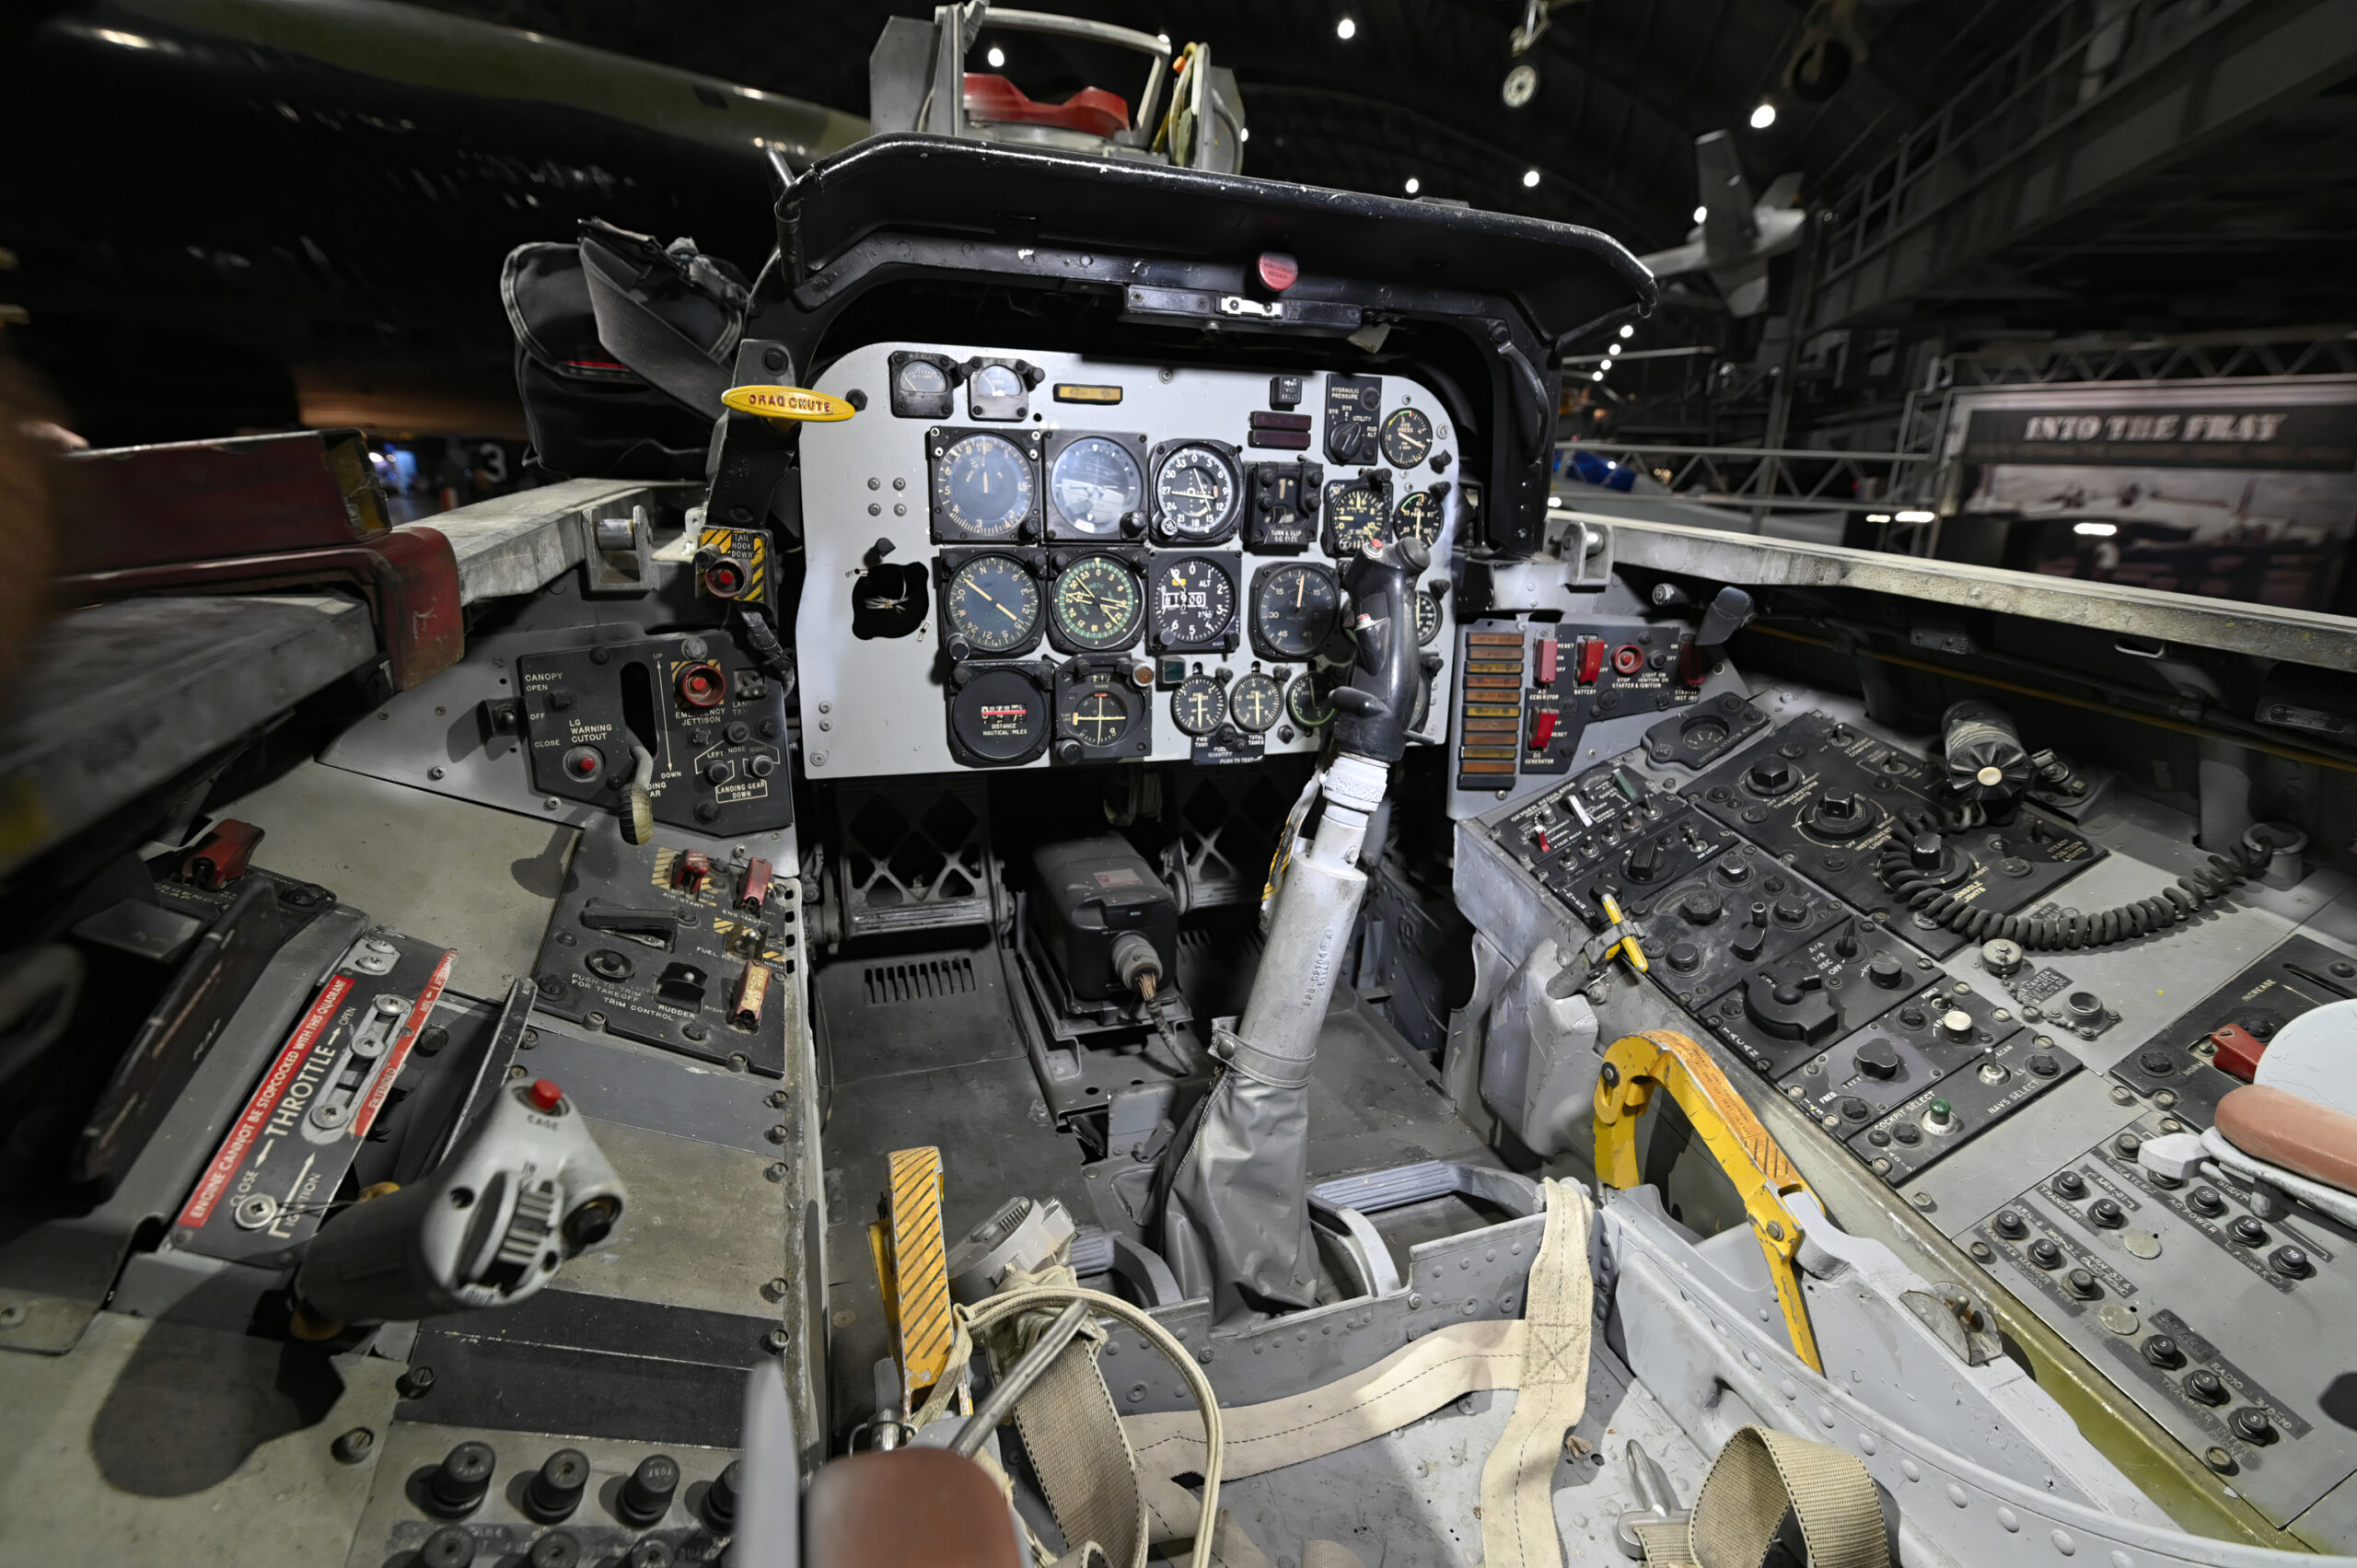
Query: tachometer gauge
x,y
1307,704
1094,484
1427,618
1095,604
1296,608
1198,705
981,489
993,603
1418,518
1256,701
1193,602
1196,492
1358,514
1406,437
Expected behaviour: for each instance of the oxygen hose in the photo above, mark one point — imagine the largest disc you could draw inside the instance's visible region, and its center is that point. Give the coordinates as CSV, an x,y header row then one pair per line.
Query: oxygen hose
x,y
1921,887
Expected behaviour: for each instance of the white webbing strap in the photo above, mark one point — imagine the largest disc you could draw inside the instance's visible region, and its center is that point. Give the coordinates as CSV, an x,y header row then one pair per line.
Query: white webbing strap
x,y
1757,1478
1517,1503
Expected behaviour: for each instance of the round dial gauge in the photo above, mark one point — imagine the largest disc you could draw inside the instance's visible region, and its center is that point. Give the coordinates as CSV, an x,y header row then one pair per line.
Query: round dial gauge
x,y
1195,492
1418,516
1306,704
1406,437
921,378
999,716
994,603
1097,710
1355,511
998,381
1295,609
1097,603
1094,484
1427,618
1256,701
1198,705
1194,599
983,486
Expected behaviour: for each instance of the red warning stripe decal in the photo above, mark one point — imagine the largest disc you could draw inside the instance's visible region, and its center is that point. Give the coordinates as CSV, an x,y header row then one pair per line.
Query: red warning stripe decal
x,y
224,1168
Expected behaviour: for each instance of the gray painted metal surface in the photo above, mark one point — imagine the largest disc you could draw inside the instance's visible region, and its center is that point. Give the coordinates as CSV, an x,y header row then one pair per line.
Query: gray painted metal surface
x,y
2300,636
121,698
513,544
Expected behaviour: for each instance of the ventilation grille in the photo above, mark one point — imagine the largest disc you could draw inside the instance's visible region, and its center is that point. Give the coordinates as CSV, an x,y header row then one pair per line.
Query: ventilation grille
x,y
921,981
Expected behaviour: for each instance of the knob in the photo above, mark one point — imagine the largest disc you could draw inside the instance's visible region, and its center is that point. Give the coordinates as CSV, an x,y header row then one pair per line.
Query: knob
x,y
2011,1226
2248,1231
1685,957
2156,1062
720,770
555,1550
1699,907
2045,1067
1736,869
738,732
720,1499
2205,1200
1841,808
1925,853
555,1492
2252,1426
2162,1351
457,1486
1955,1024
761,765
1068,750
1748,939
2081,1283
2126,1146
1792,912
1770,775
2070,1184
1877,1058
646,1495
2001,956
2293,1261
2045,1254
2106,1214
1645,861
2205,1386
651,1552
1855,1109
1846,944
1886,971
452,1546
1910,1017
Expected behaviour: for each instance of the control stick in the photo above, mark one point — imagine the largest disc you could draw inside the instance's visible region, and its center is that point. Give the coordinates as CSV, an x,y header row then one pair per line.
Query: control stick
x,y
1236,1223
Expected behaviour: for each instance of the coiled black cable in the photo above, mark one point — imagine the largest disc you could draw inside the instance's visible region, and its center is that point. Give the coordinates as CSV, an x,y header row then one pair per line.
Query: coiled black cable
x,y
2179,901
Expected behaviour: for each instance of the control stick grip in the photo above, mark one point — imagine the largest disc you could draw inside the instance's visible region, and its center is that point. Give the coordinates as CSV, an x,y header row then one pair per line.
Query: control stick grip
x,y
1371,711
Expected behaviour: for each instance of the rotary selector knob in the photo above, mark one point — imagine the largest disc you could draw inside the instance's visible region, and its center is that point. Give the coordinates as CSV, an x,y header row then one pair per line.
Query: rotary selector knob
x,y
1878,1059
1699,907
1886,971
1645,861
1736,869
1770,775
1925,853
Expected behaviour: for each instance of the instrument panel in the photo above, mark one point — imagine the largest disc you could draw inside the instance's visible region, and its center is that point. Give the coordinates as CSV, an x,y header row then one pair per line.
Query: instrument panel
x,y
1109,561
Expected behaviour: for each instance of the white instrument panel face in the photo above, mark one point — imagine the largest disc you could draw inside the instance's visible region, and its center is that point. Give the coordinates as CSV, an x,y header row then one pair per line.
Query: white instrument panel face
x,y
1026,559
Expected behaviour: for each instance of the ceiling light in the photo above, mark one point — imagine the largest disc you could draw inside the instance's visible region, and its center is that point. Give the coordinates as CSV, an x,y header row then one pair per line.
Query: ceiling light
x,y
1914,516
1346,29
1763,117
1414,185
2096,530
1614,348
1628,329
1595,375
997,57
1877,516
1701,213
1529,178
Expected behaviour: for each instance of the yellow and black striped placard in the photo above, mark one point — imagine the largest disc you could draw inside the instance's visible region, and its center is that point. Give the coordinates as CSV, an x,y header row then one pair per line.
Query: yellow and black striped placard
x,y
918,1284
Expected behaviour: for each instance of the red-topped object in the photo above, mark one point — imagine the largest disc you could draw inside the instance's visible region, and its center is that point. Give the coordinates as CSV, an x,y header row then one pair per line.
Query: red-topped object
x,y
1278,270
993,100
546,1095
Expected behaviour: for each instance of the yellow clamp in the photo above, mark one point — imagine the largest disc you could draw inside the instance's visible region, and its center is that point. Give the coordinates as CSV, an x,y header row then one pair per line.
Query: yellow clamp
x,y
790,404
1627,946
1633,1068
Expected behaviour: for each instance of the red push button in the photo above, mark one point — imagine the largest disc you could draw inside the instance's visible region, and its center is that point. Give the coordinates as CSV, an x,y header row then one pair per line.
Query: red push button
x,y
703,686
1627,658
546,1095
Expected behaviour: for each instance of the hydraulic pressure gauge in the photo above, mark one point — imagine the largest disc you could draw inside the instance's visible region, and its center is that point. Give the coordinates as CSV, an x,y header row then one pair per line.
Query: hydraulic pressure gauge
x,y
1306,704
1418,518
992,602
1198,705
1296,608
1406,437
1427,618
1096,605
983,489
1197,494
1191,603
1094,483
1255,703
1358,514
